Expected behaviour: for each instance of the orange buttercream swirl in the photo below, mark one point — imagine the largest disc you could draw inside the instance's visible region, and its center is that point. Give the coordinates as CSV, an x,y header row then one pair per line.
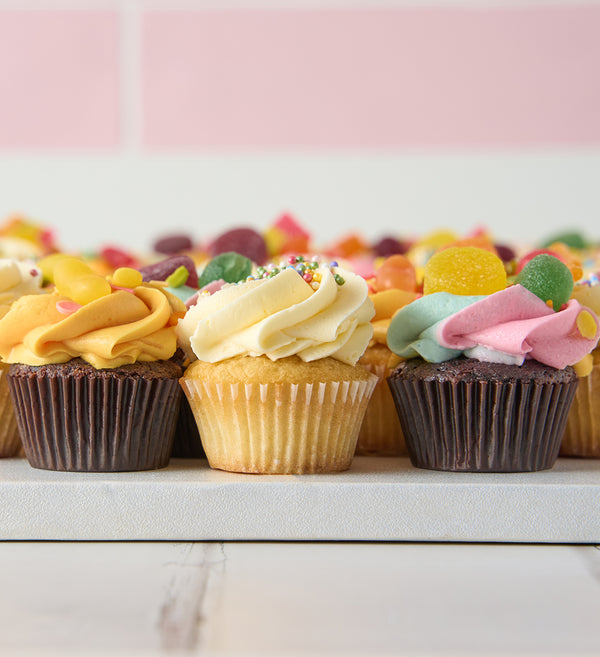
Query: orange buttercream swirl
x,y
114,330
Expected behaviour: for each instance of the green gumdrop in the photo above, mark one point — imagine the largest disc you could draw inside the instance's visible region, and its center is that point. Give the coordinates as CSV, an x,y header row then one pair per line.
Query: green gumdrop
x,y
548,278
572,239
231,267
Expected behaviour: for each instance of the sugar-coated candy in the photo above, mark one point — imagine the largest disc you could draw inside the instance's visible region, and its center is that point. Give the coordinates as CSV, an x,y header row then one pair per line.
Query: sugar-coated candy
x,y
173,244
178,277
396,272
548,278
505,252
231,267
160,271
245,241
464,270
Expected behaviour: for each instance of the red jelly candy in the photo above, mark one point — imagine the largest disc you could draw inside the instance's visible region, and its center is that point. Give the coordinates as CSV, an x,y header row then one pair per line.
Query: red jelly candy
x,y
245,241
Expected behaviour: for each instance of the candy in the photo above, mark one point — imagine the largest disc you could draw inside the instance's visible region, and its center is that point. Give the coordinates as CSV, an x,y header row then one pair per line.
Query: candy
x,y
586,325
231,267
160,271
396,272
86,289
505,253
388,246
245,241
548,278
173,244
178,277
286,235
465,270
127,277
47,265
570,238
348,246
66,270
117,257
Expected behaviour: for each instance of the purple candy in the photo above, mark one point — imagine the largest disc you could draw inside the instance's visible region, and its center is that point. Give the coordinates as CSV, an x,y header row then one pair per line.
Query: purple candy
x,y
245,241
160,271
172,244
388,246
505,253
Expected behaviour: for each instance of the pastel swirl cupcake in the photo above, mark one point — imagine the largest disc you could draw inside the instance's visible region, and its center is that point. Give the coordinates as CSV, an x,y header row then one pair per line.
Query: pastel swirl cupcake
x,y
489,377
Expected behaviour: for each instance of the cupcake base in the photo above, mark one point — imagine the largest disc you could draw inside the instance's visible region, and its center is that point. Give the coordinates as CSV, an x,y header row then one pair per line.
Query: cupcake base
x,y
467,416
10,443
582,435
380,433
283,417
73,417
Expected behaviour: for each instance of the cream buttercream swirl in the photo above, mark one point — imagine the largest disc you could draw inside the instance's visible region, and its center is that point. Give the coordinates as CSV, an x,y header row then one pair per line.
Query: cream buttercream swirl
x,y
120,328
17,279
505,327
281,316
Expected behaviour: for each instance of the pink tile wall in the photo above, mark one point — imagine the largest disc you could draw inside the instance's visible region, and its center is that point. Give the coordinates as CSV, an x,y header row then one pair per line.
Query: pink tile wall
x,y
383,78
345,78
59,79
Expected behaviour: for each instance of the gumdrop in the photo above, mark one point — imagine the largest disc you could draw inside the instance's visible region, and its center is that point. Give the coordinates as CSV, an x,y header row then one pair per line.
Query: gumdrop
x,y
245,241
396,272
548,278
464,270
231,267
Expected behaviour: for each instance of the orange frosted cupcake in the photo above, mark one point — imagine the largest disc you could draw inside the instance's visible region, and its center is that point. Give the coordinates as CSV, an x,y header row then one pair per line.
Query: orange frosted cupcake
x,y
91,379
274,385
393,286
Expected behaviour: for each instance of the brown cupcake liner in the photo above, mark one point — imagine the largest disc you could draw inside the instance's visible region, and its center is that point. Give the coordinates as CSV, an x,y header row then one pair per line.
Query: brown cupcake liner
x,y
582,435
483,426
279,428
187,443
82,423
380,433
10,442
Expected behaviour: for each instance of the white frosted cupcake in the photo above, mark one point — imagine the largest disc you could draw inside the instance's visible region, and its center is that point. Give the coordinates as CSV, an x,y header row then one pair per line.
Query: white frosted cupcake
x,y
275,387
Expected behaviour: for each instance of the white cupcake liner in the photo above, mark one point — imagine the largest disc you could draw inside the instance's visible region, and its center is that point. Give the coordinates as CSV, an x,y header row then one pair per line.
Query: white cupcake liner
x,y
279,428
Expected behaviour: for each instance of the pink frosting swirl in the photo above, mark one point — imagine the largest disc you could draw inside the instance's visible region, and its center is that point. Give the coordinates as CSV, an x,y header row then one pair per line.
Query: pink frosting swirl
x,y
516,322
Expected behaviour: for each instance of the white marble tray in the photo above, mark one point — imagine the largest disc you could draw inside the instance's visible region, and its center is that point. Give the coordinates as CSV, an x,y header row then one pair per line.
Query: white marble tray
x,y
378,499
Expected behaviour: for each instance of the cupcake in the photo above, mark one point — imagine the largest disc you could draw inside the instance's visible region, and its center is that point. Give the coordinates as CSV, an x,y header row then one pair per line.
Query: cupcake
x,y
274,384
91,379
391,288
582,435
16,280
488,381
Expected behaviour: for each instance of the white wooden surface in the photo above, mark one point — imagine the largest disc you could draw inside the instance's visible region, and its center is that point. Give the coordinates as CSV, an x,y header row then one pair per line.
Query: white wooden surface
x,y
298,598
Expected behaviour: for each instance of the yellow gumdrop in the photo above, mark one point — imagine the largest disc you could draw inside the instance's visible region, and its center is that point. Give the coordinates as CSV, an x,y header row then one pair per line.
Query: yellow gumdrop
x,y
87,288
586,325
464,270
127,277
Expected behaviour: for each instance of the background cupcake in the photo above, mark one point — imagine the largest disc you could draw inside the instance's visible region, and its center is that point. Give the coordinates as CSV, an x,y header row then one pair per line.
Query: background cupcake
x,y
16,279
91,380
275,387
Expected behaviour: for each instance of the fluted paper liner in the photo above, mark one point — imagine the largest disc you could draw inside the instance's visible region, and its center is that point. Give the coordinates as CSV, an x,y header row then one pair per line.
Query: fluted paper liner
x,y
381,433
582,435
279,428
96,424
483,426
10,443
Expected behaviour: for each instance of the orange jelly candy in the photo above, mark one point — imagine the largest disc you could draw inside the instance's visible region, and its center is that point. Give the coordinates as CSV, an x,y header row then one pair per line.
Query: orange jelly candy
x,y
396,273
